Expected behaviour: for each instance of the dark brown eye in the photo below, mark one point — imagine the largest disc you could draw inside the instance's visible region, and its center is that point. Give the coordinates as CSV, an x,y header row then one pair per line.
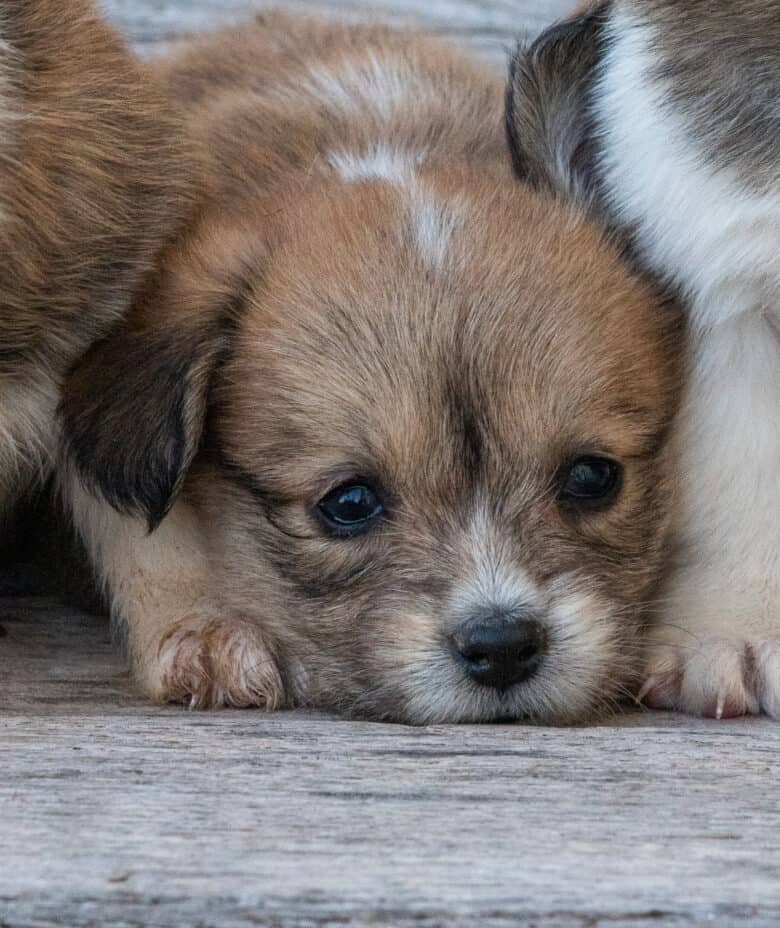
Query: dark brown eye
x,y
350,509
590,483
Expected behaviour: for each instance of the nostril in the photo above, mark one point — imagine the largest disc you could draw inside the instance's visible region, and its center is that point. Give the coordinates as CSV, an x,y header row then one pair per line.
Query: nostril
x,y
476,655
532,643
502,650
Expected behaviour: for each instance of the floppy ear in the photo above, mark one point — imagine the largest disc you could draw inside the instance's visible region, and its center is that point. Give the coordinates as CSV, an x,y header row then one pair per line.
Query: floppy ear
x,y
548,107
133,413
134,408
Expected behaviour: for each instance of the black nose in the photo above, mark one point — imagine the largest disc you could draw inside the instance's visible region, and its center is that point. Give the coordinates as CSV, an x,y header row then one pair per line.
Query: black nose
x,y
500,649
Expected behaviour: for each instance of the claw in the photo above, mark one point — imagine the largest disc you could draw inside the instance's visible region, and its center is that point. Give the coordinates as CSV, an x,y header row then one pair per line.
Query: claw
x,y
646,688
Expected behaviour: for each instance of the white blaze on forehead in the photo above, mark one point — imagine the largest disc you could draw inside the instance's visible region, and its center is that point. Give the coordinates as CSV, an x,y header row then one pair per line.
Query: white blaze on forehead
x,y
434,222
384,88
381,162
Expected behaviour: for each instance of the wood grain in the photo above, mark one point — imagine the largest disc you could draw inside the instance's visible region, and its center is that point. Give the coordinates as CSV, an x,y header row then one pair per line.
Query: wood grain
x,y
116,813
113,812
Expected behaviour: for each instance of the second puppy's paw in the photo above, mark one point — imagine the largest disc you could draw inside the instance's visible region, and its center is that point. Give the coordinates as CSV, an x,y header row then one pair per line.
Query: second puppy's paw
x,y
208,664
714,678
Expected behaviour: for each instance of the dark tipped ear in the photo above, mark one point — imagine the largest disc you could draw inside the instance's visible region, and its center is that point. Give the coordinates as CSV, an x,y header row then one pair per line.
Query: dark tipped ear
x,y
548,107
133,413
134,408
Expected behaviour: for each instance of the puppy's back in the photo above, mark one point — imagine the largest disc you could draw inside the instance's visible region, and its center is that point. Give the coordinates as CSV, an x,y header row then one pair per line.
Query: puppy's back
x,y
92,182
90,174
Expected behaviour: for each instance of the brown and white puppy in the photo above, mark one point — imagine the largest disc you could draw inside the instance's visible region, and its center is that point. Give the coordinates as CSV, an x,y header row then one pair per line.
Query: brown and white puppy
x,y
664,114
90,189
431,406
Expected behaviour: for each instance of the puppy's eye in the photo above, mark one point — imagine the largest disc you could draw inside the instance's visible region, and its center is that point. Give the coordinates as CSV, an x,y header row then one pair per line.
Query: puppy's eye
x,y
590,483
350,509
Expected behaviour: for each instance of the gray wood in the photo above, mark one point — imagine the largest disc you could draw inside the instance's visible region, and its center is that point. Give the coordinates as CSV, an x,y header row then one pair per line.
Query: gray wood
x,y
113,812
488,26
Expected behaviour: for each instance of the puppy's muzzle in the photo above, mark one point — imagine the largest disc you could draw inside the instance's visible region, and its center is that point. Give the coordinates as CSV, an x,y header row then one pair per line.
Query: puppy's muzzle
x,y
500,648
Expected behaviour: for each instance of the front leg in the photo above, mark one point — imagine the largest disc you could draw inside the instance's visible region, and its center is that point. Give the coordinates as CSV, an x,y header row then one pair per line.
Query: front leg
x,y
715,650
713,653
183,646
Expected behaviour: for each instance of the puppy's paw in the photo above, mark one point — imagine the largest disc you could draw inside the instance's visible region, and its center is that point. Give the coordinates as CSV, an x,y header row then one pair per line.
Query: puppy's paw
x,y
715,678
207,664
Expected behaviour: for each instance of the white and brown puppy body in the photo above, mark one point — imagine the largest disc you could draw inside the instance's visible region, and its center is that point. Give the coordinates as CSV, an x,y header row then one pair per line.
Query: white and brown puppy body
x,y
665,114
428,409
91,177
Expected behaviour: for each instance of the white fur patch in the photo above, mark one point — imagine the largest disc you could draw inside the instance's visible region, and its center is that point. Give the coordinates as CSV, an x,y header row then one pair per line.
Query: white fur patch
x,y
583,667
496,580
378,163
699,225
384,88
156,578
434,224
370,83
720,241
153,580
584,663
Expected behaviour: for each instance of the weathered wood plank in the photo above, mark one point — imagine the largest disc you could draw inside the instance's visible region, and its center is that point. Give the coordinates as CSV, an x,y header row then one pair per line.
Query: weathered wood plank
x,y
116,813
490,26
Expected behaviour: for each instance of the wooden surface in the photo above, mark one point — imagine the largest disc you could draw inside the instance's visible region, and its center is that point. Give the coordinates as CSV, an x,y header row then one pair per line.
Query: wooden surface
x,y
116,813
489,26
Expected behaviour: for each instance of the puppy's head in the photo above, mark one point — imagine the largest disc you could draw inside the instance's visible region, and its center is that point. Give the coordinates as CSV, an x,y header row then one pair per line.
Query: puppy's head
x,y
435,457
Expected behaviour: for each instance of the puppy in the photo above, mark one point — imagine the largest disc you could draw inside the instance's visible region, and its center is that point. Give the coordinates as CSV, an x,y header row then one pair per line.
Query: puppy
x,y
402,424
663,115
90,188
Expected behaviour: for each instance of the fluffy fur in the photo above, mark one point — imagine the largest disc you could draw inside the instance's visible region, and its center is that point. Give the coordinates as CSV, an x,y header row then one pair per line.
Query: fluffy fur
x,y
367,298
678,105
91,167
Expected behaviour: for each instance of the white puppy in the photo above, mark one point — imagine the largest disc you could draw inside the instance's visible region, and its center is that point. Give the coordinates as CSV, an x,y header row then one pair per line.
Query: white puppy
x,y
665,116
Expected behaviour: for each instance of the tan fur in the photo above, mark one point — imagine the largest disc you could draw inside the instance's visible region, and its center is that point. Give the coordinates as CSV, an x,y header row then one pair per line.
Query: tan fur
x,y
91,186
375,299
